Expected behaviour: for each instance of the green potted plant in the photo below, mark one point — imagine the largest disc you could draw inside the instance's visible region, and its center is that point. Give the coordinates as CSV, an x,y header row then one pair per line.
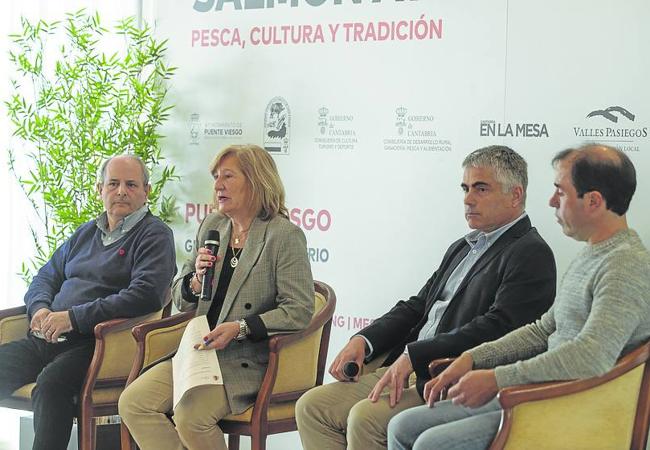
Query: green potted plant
x,y
73,105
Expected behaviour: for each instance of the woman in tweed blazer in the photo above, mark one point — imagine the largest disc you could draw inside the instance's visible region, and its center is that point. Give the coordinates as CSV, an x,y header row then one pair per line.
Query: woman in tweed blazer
x,y
262,286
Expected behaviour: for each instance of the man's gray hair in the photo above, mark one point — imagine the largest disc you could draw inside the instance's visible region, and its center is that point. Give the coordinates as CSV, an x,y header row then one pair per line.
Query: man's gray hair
x,y
510,169
145,171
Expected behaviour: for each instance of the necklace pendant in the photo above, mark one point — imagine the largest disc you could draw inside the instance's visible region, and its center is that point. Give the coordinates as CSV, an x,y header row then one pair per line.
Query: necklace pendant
x,y
236,240
234,261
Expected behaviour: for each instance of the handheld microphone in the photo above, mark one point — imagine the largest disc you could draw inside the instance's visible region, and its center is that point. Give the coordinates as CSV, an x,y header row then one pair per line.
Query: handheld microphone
x,y
350,369
212,244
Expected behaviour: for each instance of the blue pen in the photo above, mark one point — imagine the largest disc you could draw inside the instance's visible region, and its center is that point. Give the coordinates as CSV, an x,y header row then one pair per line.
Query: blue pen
x,y
204,345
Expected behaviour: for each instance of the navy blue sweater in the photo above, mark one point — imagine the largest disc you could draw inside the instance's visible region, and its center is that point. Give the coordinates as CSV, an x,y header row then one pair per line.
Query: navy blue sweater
x,y
96,283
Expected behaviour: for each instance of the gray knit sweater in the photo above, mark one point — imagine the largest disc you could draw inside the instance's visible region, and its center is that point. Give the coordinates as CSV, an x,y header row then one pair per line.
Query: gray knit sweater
x,y
601,311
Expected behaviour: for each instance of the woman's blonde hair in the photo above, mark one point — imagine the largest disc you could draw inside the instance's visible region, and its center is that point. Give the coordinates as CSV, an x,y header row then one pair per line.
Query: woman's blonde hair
x,y
262,176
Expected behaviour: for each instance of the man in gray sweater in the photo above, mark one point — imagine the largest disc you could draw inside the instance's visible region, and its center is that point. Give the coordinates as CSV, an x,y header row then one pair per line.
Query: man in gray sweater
x,y
600,312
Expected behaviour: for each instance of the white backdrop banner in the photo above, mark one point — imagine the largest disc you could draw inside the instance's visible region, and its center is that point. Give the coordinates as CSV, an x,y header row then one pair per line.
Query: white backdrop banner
x,y
369,107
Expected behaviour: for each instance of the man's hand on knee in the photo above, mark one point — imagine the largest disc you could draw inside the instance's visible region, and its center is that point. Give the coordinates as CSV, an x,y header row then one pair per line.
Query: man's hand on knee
x,y
355,350
395,378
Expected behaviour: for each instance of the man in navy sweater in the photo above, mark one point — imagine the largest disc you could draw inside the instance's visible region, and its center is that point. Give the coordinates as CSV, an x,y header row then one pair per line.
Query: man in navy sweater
x,y
118,265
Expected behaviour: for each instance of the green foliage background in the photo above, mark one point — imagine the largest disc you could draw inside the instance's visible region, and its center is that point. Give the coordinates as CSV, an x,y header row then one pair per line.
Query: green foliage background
x,y
72,107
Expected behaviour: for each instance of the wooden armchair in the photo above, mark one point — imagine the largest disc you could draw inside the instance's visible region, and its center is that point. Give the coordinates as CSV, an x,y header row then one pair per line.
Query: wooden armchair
x,y
107,373
274,409
607,412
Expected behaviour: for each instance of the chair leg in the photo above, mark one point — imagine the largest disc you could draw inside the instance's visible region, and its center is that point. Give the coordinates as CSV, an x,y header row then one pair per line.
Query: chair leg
x,y
86,432
126,443
258,441
233,442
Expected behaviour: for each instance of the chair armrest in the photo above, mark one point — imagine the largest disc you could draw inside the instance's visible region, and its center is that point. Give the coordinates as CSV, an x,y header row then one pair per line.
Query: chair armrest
x,y
140,332
156,340
13,324
514,395
15,311
438,365
104,329
435,368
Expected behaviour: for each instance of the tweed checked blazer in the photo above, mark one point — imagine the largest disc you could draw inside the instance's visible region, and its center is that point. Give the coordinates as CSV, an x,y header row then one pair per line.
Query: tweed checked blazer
x,y
273,281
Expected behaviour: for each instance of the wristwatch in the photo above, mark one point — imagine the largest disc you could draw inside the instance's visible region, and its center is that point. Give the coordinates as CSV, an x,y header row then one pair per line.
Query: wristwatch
x,y
244,331
194,275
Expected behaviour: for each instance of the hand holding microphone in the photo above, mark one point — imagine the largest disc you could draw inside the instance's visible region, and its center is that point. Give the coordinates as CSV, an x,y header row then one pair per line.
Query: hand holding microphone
x,y
351,370
205,262
346,366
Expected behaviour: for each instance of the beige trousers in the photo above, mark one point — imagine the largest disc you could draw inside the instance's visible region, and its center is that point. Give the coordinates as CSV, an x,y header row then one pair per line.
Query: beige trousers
x,y
339,415
144,404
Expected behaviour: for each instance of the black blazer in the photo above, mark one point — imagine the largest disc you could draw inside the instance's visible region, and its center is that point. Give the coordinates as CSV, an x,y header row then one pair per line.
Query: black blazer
x,y
511,285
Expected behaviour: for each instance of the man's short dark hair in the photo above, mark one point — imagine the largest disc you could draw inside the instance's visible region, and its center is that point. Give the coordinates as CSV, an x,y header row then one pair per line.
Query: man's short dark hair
x,y
615,180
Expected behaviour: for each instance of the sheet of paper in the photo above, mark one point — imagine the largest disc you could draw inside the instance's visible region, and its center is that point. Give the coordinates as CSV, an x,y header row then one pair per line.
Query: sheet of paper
x,y
191,367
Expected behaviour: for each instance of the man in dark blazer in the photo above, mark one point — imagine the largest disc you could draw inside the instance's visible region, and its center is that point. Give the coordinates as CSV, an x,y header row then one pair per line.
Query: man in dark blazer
x,y
491,281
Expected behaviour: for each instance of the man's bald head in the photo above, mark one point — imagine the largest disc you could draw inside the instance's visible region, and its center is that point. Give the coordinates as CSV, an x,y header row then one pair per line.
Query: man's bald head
x,y
136,158
596,167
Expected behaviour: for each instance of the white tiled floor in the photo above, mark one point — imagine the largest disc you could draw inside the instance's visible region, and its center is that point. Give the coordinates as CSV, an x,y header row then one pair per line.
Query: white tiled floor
x,y
10,433
9,428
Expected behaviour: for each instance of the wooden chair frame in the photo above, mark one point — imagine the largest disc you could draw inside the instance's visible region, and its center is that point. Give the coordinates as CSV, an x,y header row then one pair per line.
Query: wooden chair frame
x,y
260,426
87,408
511,396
